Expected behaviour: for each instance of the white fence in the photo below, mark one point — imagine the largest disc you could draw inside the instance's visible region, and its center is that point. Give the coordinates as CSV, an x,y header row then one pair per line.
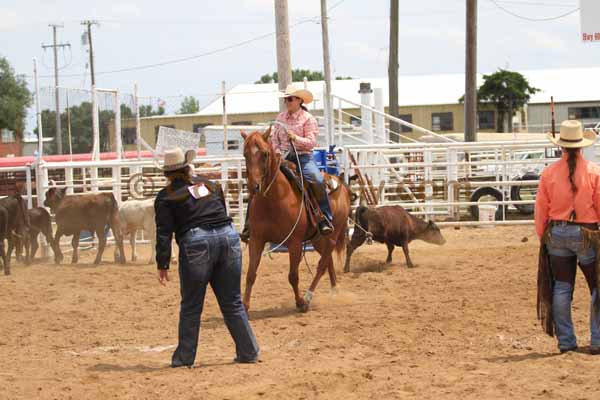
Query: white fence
x,y
441,181
448,181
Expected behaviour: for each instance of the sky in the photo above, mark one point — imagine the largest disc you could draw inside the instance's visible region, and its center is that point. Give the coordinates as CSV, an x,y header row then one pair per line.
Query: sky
x,y
134,33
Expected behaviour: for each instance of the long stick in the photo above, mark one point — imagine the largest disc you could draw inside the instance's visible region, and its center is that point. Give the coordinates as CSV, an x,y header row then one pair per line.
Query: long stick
x,y
553,119
363,186
69,126
371,188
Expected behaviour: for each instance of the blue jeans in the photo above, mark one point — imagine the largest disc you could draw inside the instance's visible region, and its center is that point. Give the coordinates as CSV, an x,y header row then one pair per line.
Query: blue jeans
x,y
212,256
311,174
567,241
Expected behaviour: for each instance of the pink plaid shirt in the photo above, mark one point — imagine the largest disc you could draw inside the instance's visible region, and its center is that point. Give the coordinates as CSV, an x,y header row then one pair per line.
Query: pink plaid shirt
x,y
303,125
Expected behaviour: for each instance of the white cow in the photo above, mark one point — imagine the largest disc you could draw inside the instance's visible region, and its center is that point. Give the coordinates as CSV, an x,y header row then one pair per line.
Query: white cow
x,y
138,215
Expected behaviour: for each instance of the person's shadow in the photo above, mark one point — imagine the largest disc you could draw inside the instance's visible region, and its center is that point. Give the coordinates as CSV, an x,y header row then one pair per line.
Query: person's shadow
x,y
530,356
139,368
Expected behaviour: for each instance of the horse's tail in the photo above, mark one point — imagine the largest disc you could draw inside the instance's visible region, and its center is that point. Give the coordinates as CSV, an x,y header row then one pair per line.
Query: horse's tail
x,y
342,233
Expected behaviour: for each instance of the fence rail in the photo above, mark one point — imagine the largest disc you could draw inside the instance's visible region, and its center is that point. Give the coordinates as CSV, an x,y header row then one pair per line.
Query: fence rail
x,y
442,181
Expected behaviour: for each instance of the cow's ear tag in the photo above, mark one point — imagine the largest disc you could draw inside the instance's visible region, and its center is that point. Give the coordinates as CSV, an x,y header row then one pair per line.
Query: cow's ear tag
x,y
198,191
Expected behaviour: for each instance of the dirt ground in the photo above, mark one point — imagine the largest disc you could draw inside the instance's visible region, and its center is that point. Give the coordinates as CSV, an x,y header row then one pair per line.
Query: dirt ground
x,y
461,325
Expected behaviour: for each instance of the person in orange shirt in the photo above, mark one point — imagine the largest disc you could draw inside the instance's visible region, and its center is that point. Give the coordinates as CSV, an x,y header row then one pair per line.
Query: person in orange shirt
x,y
568,199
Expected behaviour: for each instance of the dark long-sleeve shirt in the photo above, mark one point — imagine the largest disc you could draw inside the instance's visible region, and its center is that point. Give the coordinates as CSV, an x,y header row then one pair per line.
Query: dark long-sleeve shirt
x,y
178,210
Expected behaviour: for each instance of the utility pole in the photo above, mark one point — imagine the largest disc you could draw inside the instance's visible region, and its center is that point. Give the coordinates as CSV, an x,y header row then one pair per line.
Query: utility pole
x,y
55,46
89,24
393,71
95,116
471,73
282,38
327,106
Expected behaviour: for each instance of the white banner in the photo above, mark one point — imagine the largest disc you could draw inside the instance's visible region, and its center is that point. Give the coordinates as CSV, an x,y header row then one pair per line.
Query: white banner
x,y
169,138
590,20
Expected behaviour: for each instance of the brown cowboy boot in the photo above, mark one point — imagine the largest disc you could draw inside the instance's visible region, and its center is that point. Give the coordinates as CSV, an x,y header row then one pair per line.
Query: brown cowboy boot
x,y
325,225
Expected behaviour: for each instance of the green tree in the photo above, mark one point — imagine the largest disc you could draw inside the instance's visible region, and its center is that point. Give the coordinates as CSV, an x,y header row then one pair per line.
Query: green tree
x,y
298,76
509,91
80,120
148,111
126,111
189,105
14,98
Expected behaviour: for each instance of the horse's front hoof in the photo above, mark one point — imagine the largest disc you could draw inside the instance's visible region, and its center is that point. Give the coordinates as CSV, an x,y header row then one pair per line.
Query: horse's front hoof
x,y
303,307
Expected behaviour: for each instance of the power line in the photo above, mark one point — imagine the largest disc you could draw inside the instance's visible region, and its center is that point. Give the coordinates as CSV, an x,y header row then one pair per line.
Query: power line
x,y
184,59
205,54
495,2
537,3
339,3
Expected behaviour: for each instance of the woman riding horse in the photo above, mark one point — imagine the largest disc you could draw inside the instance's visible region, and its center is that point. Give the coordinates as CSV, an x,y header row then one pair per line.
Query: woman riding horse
x,y
302,130
278,215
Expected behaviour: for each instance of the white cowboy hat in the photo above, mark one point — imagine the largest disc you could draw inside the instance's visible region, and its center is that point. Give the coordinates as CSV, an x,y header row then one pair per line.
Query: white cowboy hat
x,y
291,90
175,159
572,135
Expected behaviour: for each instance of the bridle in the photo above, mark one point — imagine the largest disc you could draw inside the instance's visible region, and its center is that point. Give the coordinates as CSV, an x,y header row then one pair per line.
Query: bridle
x,y
267,165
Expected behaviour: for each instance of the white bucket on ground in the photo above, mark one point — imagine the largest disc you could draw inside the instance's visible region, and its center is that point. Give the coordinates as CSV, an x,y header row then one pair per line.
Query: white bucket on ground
x,y
487,213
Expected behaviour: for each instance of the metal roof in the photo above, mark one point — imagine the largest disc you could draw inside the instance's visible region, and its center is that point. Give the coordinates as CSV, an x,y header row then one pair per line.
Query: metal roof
x,y
566,85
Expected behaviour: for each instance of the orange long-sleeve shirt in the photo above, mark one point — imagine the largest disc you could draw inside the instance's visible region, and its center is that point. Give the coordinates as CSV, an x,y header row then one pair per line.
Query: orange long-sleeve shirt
x,y
555,200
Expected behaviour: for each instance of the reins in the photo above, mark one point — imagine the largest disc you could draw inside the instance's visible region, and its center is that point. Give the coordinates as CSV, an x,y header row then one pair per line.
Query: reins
x,y
301,195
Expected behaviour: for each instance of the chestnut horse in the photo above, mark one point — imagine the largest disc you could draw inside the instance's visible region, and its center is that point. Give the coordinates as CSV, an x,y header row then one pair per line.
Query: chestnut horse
x,y
275,215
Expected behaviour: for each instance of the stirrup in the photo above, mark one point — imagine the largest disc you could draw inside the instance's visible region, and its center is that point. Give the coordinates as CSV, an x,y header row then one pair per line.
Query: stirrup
x,y
325,227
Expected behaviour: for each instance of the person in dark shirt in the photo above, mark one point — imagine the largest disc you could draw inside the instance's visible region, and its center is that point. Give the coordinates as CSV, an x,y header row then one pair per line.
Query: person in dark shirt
x,y
193,208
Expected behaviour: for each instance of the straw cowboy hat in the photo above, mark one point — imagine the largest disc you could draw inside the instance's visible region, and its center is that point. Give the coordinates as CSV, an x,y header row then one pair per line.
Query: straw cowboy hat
x,y
176,159
293,91
572,135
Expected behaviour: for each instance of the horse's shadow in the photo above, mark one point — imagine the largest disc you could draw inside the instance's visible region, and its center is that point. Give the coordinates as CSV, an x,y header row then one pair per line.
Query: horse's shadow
x,y
274,312
376,266
256,315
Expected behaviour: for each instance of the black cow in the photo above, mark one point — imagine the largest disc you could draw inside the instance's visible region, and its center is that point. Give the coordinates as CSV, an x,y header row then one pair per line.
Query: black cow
x,y
391,225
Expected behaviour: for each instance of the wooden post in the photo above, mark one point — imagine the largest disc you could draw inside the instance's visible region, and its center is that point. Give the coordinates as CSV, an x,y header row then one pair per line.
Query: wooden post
x,y
282,39
393,70
471,73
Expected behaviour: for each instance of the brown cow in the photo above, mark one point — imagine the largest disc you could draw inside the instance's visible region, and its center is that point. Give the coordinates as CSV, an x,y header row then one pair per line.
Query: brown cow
x,y
39,222
90,212
18,224
391,225
4,234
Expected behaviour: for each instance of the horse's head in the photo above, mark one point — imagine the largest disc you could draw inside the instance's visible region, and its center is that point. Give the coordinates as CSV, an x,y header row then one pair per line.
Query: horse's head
x,y
261,160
